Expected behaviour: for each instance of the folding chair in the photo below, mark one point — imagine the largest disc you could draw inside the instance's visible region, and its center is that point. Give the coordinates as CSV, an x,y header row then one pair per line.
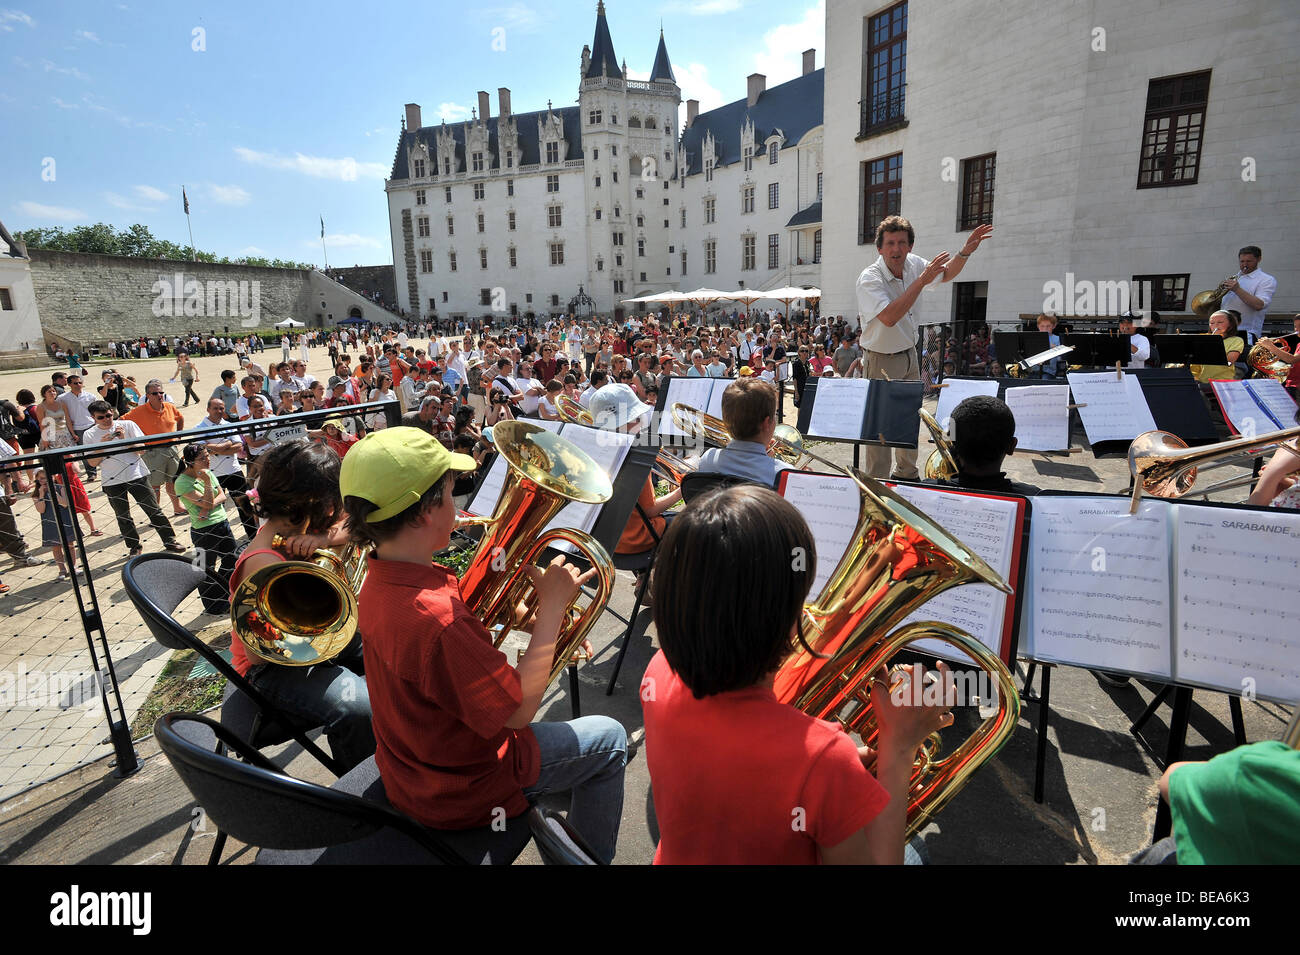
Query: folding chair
x,y
639,563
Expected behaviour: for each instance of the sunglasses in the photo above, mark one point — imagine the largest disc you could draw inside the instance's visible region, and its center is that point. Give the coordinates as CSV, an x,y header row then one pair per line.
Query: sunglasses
x,y
155,394
103,417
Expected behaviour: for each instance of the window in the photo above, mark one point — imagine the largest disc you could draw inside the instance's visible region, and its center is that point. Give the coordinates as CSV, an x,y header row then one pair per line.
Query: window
x,y
477,160
618,286
553,183
422,227
665,223
451,260
640,193
510,187
510,220
419,169
774,251
683,220
447,193
444,296
1171,134
478,191
514,257
553,217
749,158
528,298
446,166
819,187
426,260
817,246
613,150
640,222
683,261
597,215
480,222
640,248
881,188
552,152
642,276
747,243
485,296
886,71
665,203
600,264
555,301
451,225
510,159
618,212
614,173
710,257
433,304
598,182
976,191
613,118
774,195
482,258
710,211
617,238
618,260
771,154
1169,292
633,122
708,170
747,199
593,117
595,154
420,197
557,253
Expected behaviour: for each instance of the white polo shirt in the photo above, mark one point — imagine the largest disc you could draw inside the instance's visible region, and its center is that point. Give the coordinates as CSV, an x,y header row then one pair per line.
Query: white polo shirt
x,y
1259,284
117,468
876,288
222,464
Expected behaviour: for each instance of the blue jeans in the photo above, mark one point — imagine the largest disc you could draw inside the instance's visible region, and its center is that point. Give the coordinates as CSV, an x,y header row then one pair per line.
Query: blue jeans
x,y
331,694
585,757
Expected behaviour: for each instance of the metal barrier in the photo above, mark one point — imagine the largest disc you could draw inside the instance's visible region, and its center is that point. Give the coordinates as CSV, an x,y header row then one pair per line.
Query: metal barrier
x,y
52,686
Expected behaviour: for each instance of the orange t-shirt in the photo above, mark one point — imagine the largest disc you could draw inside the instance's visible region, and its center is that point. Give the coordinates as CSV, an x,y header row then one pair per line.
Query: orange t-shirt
x,y
153,422
636,538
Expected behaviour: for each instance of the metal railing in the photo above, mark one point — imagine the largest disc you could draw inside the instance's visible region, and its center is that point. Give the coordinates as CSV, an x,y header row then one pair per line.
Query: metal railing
x,y
883,109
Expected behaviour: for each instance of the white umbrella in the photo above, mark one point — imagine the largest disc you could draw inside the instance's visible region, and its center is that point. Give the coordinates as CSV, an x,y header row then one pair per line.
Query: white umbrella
x,y
705,296
746,295
290,323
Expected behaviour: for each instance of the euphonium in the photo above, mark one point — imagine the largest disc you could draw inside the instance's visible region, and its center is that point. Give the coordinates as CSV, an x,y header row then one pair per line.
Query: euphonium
x,y
941,465
786,444
898,560
546,473
569,410
299,613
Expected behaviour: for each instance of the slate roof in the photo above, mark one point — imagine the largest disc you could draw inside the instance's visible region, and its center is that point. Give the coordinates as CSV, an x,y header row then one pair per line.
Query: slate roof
x,y
602,50
529,146
663,69
793,107
810,216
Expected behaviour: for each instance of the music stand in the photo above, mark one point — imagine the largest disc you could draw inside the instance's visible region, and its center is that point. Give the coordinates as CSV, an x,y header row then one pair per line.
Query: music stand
x,y
1190,349
1014,347
1100,351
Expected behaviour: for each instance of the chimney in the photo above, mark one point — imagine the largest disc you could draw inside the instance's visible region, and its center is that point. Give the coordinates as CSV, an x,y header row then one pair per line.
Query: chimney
x,y
809,61
484,106
757,83
692,111
413,116
503,97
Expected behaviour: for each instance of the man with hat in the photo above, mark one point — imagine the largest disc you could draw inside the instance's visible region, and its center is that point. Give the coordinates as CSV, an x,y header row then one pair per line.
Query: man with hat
x,y
455,741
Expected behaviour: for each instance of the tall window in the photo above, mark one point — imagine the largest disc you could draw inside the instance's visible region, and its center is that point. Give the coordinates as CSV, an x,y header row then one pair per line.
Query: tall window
x,y
708,170
1171,134
485,296
977,191
593,117
886,70
557,253
683,261
553,217
600,264
817,246
477,159
482,258
552,152
478,191
749,158
640,222
451,225
510,159
510,187
514,257
710,211
419,169
426,260
747,243
771,154
422,227
446,166
747,199
881,187
774,251
447,193
451,260
710,257
640,248
480,222
420,197
819,187
510,220
618,286
553,183
683,224
774,195
617,238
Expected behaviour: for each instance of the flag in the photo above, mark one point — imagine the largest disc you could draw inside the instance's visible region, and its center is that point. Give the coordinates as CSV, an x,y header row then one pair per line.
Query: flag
x,y
186,200
322,227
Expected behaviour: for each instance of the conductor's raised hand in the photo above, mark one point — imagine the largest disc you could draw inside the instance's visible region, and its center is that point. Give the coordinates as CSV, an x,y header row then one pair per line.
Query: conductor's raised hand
x,y
935,269
978,235
558,584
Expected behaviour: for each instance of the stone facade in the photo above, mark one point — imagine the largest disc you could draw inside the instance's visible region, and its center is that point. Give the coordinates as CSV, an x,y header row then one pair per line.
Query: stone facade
x,y
369,278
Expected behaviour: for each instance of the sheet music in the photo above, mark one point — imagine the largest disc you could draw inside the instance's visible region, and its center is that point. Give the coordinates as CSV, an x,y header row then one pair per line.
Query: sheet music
x,y
1240,410
609,450
957,391
782,371
989,528
714,404
485,498
688,391
1115,410
1275,401
829,503
1100,585
1237,614
839,408
1042,415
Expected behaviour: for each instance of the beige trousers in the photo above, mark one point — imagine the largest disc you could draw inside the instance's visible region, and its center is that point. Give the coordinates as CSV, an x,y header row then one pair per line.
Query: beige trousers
x,y
900,367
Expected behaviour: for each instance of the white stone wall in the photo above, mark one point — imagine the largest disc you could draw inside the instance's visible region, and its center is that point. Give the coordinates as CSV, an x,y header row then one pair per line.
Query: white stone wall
x,y
20,328
1021,79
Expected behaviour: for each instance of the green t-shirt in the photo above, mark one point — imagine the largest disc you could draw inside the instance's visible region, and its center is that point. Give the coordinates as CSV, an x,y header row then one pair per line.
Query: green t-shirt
x,y
1240,807
186,484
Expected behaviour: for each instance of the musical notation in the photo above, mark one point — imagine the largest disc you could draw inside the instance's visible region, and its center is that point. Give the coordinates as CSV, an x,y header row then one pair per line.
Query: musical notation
x,y
695,392
1042,414
839,407
957,391
829,503
1115,410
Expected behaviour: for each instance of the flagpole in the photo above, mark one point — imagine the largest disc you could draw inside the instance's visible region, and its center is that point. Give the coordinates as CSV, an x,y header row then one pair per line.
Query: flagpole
x,y
194,250
322,243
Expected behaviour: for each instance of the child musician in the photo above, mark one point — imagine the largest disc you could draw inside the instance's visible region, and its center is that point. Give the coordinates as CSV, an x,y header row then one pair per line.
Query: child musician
x,y
738,777
452,719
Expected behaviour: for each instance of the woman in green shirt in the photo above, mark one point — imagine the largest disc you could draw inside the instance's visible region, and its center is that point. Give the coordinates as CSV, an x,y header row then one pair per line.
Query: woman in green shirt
x,y
1223,324
204,499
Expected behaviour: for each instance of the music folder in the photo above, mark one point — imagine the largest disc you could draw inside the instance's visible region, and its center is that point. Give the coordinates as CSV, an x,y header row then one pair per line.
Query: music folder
x,y
1190,349
861,410
1014,347
1099,350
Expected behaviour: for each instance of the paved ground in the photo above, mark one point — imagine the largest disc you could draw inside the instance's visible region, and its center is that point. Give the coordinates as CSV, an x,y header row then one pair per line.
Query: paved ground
x,y
1100,780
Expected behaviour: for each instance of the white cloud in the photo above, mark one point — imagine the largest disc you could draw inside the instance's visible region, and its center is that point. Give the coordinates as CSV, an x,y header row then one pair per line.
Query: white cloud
x,y
346,240
378,131
229,195
88,36
694,81
62,105
705,8
251,250
346,169
781,56
65,70
122,202
122,118
9,17
58,213
150,193
638,75
451,112
517,16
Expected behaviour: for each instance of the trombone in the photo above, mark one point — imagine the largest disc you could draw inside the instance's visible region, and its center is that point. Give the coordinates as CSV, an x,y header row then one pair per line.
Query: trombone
x,y
1162,464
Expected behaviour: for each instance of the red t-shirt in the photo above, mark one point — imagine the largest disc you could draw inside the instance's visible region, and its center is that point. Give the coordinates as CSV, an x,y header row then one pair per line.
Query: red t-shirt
x,y
742,779
440,695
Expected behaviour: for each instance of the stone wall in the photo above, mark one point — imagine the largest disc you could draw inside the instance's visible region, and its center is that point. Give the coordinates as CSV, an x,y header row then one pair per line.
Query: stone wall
x,y
369,278
94,299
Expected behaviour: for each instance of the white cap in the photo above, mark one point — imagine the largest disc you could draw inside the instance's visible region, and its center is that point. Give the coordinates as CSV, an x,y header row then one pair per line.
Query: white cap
x,y
614,406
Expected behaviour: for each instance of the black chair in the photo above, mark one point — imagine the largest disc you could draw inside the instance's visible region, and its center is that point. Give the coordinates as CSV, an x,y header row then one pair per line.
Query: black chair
x,y
698,483
294,822
642,563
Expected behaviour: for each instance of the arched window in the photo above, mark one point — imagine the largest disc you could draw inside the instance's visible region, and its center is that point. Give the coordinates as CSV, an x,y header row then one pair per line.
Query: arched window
x,y
650,122
633,122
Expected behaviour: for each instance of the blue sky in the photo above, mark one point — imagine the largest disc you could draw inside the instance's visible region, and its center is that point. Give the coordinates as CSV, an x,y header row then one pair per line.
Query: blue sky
x,y
291,111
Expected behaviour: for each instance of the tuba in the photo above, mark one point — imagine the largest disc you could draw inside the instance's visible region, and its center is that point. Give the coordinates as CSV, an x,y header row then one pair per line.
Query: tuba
x,y
299,613
898,560
1266,363
546,473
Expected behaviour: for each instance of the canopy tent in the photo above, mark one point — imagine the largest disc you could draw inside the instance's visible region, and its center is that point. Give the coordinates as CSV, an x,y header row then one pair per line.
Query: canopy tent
x,y
352,321
290,323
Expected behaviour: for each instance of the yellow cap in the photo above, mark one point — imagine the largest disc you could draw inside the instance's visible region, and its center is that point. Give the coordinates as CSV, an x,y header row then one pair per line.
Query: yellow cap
x,y
392,469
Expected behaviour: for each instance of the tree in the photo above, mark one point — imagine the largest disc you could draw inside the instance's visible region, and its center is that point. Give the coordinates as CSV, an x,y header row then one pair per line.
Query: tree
x,y
135,242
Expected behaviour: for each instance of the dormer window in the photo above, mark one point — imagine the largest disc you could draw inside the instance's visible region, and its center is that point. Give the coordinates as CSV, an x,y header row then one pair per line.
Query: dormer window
x,y
552,152
419,169
478,162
